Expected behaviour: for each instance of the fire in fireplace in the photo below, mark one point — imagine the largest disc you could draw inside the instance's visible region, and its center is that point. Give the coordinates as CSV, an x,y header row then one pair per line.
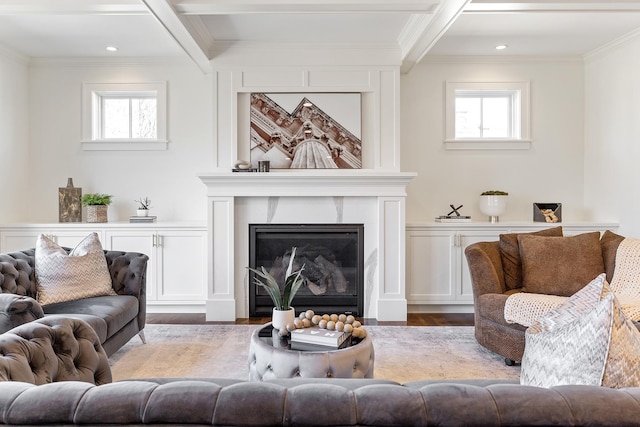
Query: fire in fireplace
x,y
333,260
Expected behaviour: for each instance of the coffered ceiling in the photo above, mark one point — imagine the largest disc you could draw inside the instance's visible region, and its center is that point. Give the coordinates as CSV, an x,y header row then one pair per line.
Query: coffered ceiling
x,y
416,28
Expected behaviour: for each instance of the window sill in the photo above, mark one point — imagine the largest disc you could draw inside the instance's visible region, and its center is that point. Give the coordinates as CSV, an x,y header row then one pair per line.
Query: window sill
x,y
124,145
487,144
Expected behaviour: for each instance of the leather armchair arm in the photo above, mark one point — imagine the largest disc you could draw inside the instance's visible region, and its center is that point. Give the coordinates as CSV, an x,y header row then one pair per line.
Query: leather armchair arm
x,y
485,268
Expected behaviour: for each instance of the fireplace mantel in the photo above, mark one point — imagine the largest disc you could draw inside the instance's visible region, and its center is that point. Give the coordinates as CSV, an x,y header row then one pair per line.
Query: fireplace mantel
x,y
305,183
375,198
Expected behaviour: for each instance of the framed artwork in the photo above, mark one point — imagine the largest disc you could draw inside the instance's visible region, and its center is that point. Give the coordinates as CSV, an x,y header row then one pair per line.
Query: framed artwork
x,y
306,130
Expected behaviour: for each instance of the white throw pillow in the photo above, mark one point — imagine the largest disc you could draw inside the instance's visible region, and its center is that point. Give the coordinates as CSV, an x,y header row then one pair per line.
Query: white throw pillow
x,y
82,273
587,340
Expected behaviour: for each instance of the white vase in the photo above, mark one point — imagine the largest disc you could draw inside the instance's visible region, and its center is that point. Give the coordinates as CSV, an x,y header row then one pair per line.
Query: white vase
x,y
493,206
143,212
280,318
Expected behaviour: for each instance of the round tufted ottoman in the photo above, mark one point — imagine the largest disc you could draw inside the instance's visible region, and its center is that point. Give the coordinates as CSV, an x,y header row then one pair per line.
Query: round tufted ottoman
x,y
269,358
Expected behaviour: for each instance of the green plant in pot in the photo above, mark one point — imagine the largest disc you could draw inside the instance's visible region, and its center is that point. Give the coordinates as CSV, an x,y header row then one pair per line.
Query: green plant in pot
x,y
97,204
281,295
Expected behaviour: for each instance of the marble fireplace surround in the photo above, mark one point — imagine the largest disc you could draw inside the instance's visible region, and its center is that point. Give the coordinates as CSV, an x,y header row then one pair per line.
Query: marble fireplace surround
x,y
374,198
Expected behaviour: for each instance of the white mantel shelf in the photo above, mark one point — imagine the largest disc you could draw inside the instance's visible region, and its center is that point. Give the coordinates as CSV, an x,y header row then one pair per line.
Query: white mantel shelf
x,y
305,183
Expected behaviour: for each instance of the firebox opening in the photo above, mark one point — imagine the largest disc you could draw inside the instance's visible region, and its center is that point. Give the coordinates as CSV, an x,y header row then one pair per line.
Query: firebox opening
x,y
333,259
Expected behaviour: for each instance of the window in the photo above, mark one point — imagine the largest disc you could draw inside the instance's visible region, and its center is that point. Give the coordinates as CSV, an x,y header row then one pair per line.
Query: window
x,y
487,115
128,116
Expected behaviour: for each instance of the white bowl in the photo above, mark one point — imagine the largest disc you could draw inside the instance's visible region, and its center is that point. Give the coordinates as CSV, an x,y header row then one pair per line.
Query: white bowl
x,y
493,206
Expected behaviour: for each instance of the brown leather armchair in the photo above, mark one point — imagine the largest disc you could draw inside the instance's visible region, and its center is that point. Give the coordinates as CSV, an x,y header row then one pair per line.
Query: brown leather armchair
x,y
495,275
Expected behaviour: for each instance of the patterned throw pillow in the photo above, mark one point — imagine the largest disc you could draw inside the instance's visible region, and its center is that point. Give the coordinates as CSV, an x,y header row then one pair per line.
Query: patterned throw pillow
x,y
82,273
587,340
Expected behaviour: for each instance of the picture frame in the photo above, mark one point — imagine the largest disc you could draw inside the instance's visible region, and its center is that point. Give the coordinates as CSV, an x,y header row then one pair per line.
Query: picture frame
x,y
306,130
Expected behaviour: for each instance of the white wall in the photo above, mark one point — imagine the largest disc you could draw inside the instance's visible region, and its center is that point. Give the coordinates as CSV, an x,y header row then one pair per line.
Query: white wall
x,y
550,171
14,146
168,177
612,135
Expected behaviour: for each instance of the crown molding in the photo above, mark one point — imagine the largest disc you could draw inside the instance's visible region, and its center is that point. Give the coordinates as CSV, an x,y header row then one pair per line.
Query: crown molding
x,y
495,59
103,61
613,45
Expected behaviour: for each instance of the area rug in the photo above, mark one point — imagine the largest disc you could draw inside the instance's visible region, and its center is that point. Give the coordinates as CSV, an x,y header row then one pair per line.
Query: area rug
x,y
402,353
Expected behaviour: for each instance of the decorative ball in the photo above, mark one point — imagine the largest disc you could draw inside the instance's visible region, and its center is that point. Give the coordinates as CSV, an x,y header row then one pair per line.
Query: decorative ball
x,y
339,326
322,324
331,325
302,315
309,314
334,317
348,328
342,317
316,319
298,323
357,333
326,317
356,324
290,326
350,319
306,323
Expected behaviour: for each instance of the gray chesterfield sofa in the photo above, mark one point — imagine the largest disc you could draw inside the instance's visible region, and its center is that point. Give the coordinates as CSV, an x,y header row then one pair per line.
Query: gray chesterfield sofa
x,y
115,319
53,371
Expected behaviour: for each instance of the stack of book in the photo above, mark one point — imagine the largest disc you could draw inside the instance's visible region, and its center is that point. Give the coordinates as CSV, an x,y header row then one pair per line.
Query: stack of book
x,y
142,219
315,338
453,218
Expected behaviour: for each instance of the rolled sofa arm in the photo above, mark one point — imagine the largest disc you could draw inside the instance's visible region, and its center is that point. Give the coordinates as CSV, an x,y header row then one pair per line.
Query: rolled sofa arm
x,y
128,272
52,349
16,310
485,268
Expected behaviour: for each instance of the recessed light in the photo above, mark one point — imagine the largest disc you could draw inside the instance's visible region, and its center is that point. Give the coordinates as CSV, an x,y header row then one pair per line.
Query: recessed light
x,y
112,48
501,47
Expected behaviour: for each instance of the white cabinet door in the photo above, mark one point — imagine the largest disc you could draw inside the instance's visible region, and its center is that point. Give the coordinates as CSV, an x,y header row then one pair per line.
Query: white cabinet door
x,y
176,271
430,267
465,289
137,240
437,271
182,267
21,239
18,240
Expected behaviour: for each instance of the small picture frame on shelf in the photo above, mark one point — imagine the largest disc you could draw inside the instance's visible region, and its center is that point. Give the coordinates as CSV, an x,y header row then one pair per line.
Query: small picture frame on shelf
x,y
547,212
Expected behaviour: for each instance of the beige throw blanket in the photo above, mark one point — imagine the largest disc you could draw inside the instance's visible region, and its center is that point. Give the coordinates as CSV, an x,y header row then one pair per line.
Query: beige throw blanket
x,y
526,308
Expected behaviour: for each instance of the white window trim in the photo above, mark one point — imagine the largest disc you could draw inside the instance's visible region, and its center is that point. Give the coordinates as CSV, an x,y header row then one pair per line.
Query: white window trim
x,y
90,120
522,143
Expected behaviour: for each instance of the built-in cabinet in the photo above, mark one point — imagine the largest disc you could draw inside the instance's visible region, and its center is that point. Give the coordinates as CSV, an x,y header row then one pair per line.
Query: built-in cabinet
x,y
177,268
437,275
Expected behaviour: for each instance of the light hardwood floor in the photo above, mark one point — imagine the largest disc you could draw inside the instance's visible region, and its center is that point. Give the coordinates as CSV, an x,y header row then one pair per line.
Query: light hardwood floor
x,y
413,319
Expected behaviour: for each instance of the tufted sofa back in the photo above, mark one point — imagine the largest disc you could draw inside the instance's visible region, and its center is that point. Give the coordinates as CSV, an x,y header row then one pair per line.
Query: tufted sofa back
x,y
127,270
52,349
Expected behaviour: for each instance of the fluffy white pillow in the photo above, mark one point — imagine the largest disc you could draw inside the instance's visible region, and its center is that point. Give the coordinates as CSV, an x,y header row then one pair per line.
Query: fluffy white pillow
x,y
587,340
82,273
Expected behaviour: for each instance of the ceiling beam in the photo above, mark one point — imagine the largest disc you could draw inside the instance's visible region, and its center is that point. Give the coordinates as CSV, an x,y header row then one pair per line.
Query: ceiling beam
x,y
168,17
231,7
426,31
573,6
72,7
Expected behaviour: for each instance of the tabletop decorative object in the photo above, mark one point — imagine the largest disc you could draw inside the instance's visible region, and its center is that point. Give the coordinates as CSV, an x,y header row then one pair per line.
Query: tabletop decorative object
x,y
69,206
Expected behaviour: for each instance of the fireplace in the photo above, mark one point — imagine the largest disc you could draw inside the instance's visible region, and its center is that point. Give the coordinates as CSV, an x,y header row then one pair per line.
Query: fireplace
x,y
333,259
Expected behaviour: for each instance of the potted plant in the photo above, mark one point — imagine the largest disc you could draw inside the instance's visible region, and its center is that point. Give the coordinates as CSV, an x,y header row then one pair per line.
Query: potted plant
x,y
493,203
281,295
144,204
97,204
